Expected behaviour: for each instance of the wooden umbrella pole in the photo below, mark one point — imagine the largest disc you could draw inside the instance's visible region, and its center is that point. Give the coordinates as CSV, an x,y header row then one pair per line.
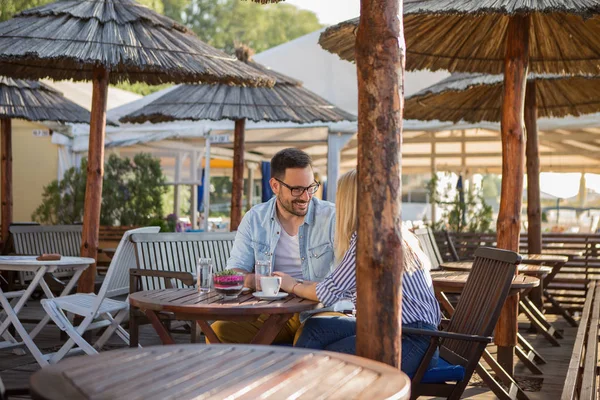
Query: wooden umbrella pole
x,y
95,173
513,159
7,186
237,188
380,67
534,208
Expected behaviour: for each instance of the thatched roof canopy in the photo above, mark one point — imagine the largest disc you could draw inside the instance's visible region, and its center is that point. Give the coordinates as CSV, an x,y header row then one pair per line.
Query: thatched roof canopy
x,y
67,39
468,36
34,101
478,97
287,101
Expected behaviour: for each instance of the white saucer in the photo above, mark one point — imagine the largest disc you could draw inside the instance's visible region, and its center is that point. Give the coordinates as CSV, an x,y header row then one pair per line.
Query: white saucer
x,y
260,295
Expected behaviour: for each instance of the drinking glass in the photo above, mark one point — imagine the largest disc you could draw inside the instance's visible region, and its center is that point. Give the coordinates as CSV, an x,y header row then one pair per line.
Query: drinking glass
x,y
261,268
204,274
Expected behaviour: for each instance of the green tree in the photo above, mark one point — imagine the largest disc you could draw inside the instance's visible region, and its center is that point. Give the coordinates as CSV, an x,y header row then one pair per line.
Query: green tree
x,y
8,8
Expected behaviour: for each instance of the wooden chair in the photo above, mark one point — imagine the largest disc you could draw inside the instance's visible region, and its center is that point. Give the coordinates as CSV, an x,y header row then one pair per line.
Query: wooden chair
x,y
98,311
429,246
582,375
168,260
470,329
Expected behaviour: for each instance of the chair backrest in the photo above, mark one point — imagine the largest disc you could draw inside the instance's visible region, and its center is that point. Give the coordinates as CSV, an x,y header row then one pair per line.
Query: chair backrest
x,y
35,240
179,252
429,246
482,298
116,281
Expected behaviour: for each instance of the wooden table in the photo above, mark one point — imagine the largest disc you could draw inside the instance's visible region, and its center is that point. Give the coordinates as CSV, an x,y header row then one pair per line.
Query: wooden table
x,y
39,268
109,251
454,282
189,304
219,372
556,262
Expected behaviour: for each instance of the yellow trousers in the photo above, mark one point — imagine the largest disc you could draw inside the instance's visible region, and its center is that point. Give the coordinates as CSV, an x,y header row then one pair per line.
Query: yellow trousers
x,y
244,332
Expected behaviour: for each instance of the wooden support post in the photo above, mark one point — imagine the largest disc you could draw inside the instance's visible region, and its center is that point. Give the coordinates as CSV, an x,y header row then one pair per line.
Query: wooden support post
x,y
176,188
7,186
513,159
380,67
237,187
194,189
95,173
534,208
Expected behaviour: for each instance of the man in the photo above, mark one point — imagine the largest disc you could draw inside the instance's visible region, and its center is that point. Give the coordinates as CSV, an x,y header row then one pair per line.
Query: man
x,y
293,230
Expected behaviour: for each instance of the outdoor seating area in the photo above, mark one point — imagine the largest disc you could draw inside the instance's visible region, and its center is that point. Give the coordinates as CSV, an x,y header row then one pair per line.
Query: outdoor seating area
x,y
228,199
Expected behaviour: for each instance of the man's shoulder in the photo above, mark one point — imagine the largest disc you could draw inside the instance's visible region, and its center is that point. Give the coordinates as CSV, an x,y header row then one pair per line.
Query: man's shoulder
x,y
323,207
260,210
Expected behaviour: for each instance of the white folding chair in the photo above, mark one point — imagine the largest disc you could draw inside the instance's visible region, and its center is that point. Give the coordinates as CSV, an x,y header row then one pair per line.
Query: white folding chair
x,y
98,310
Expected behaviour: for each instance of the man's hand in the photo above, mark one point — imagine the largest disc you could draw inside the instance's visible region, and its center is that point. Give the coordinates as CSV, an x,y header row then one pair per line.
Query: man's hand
x,y
287,282
249,280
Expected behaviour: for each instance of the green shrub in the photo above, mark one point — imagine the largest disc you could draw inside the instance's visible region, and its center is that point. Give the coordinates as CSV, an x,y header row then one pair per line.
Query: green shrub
x,y
132,192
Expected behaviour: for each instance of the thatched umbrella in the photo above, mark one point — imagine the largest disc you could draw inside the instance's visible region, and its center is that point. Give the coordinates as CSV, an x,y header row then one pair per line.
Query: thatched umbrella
x,y
478,97
109,41
494,37
380,67
32,101
286,101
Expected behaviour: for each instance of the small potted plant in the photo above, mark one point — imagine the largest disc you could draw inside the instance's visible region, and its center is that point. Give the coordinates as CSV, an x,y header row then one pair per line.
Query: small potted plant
x,y
228,283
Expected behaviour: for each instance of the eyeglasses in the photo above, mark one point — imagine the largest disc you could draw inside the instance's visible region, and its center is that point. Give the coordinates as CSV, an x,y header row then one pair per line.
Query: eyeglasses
x,y
298,191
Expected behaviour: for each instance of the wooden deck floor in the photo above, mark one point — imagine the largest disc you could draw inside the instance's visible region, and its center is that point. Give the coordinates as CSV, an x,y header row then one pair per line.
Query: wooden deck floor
x,y
16,369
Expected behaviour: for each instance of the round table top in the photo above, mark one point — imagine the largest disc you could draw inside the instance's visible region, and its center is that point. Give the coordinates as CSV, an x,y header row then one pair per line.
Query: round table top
x,y
219,371
190,301
457,280
522,268
31,261
564,252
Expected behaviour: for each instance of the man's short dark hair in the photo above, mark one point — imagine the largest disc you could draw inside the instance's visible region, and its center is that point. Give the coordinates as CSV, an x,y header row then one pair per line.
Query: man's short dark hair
x,y
288,158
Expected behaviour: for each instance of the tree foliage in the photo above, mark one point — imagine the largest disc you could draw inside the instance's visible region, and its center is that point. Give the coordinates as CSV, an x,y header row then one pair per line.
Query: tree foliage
x,y
132,194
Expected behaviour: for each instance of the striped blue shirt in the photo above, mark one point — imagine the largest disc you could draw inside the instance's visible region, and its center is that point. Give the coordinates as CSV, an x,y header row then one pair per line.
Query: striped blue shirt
x,y
418,300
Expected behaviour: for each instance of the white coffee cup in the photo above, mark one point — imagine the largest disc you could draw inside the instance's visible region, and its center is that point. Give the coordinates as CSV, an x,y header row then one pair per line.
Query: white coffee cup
x,y
270,285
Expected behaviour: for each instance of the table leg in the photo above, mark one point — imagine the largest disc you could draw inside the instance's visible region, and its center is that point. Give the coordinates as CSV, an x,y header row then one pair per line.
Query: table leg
x,y
514,389
565,313
271,328
32,285
539,322
12,318
208,331
164,335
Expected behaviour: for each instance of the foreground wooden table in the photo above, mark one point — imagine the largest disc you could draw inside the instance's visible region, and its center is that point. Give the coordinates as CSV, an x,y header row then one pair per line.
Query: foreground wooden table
x,y
190,305
219,372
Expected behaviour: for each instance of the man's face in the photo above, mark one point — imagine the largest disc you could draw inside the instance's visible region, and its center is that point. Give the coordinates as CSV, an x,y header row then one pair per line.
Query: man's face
x,y
294,177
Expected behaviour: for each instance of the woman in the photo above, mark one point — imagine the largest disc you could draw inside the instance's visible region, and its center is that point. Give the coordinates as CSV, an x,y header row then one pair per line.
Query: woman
x,y
420,308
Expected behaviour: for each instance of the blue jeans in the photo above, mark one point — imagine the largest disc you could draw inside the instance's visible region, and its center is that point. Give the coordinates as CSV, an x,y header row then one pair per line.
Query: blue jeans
x,y
339,334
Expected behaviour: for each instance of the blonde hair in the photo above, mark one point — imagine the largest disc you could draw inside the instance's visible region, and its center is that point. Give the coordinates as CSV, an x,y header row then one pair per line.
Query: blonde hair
x,y
346,223
346,218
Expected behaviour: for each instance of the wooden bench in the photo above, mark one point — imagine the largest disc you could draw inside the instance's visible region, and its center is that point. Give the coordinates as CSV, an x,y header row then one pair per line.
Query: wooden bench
x,y
168,260
582,375
568,287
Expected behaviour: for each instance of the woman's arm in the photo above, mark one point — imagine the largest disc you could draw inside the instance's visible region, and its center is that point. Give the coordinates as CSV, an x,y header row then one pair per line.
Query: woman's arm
x,y
304,289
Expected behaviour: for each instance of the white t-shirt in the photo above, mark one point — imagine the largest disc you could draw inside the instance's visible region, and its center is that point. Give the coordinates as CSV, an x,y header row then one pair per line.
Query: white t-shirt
x,y
287,255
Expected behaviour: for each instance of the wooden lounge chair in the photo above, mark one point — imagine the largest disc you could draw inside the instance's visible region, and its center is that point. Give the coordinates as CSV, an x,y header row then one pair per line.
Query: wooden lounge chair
x,y
470,329
99,310
429,246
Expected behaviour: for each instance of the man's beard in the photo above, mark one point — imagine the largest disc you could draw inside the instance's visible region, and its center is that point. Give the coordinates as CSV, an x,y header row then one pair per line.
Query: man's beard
x,y
289,207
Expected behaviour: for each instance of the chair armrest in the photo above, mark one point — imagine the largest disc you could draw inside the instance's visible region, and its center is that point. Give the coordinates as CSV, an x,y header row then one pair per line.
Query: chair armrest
x,y
185,277
447,335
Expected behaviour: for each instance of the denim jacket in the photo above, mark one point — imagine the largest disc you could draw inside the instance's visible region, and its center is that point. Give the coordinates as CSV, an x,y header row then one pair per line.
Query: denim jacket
x,y
259,232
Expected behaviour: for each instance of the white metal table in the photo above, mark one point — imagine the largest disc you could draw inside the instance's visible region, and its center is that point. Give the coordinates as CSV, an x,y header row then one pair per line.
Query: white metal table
x,y
39,268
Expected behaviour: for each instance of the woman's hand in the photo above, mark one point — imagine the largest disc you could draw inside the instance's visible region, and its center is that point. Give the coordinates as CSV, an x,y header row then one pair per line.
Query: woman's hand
x,y
287,282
